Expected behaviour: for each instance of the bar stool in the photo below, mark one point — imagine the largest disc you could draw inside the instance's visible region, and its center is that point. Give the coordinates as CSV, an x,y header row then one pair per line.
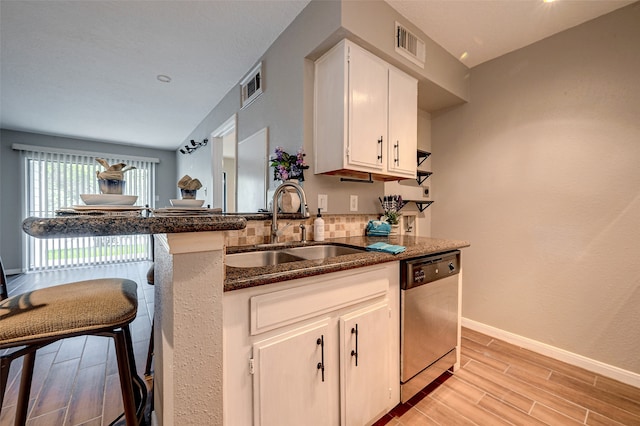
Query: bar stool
x,y
34,319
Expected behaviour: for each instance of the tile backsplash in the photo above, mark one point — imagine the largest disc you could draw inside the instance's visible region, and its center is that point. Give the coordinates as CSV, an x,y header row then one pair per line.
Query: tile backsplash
x,y
335,226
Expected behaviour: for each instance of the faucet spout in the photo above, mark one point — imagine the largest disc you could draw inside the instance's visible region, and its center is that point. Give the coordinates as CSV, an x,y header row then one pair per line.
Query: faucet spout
x,y
304,209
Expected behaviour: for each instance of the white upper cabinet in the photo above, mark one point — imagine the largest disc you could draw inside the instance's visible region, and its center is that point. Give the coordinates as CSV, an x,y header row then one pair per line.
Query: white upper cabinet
x,y
403,124
365,115
367,111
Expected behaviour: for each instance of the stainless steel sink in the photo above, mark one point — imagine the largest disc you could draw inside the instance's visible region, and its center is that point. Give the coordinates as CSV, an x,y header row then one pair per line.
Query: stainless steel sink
x,y
322,251
253,259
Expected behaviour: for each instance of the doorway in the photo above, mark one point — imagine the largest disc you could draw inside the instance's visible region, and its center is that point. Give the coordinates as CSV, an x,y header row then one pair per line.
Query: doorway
x,y
224,167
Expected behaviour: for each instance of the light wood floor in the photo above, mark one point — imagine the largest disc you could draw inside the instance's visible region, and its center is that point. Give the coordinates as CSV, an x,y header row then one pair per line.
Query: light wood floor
x,y
76,382
501,384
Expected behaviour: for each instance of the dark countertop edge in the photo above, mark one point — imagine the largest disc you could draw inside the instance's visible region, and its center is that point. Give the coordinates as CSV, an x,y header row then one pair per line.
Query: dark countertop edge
x,y
265,216
95,226
254,277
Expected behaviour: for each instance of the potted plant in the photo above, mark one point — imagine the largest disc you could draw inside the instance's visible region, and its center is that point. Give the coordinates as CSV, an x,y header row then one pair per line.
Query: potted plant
x,y
289,167
111,180
391,205
189,187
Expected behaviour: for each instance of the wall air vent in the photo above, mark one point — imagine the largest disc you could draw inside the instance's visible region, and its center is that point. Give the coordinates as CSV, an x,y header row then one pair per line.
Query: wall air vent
x,y
251,86
409,46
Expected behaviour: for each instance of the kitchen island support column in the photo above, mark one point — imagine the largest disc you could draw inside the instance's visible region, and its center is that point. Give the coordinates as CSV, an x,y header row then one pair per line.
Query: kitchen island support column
x,y
189,276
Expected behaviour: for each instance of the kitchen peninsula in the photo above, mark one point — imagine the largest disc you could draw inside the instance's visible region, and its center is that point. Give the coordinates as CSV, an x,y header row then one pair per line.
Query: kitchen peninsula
x,y
189,255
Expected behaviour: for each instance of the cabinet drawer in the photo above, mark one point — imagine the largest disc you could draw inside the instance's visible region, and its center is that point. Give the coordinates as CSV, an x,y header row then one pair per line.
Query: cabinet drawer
x,y
317,297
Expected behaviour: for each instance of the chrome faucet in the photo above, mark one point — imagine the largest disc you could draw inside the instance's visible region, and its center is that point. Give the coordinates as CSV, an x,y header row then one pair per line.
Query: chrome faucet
x,y
303,207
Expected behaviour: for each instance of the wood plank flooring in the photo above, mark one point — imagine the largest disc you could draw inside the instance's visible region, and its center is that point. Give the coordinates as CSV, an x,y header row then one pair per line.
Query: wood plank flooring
x,y
76,381
501,384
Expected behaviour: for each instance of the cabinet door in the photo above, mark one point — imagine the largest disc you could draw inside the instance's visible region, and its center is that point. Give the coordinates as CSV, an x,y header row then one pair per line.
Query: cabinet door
x,y
288,383
367,126
403,124
364,366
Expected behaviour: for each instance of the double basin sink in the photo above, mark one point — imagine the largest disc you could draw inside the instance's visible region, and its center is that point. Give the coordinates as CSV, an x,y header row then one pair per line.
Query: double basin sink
x,y
254,259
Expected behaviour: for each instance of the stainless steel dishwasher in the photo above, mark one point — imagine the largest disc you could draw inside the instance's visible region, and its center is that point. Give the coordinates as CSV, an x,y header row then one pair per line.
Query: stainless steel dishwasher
x,y
428,319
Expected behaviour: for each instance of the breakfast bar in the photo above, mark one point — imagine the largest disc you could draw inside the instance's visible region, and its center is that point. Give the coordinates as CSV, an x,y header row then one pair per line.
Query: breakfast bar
x,y
189,255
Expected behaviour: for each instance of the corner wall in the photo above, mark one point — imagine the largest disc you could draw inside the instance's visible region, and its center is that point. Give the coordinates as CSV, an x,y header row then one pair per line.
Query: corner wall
x,y
540,172
286,106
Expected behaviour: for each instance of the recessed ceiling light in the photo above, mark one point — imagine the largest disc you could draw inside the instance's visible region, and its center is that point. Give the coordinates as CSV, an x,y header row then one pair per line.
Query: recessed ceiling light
x,y
164,78
548,1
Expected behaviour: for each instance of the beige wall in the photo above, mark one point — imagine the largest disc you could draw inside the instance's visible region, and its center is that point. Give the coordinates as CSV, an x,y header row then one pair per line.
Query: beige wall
x,y
442,80
541,173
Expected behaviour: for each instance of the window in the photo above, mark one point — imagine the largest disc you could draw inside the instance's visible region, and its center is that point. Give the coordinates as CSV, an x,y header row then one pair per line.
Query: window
x,y
55,179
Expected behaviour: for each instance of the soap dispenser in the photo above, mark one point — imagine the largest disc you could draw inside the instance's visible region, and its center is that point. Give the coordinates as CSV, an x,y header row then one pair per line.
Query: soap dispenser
x,y
318,228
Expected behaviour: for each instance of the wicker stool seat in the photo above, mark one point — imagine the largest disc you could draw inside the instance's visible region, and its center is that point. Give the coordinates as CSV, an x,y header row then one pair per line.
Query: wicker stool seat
x,y
67,310
34,319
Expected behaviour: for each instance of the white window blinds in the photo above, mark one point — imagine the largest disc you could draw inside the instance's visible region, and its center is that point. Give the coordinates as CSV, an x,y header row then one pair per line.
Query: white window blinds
x,y
55,179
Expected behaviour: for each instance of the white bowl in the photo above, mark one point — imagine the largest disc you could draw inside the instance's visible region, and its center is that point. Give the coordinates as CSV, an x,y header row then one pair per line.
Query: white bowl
x,y
108,199
186,203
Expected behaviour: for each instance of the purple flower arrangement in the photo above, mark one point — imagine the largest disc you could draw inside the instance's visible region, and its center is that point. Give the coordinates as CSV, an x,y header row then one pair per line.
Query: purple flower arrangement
x,y
287,166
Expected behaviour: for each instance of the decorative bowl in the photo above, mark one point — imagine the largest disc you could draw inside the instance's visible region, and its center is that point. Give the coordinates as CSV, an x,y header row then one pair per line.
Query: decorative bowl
x,y
108,199
186,203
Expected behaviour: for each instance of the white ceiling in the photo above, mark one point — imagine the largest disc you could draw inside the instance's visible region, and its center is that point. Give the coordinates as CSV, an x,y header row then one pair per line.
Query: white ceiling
x,y
87,69
486,29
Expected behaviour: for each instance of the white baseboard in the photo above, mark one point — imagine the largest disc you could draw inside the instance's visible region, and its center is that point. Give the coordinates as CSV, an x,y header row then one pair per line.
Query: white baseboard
x,y
598,367
9,272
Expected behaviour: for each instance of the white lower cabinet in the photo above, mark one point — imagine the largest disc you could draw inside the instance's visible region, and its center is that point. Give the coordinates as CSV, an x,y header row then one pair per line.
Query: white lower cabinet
x,y
290,384
364,364
316,351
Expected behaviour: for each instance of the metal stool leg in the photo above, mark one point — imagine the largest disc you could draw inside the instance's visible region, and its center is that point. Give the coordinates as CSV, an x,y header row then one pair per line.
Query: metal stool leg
x,y
147,369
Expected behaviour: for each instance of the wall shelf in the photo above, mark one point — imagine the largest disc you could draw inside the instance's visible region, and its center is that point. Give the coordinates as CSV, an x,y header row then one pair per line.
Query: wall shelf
x,y
422,175
421,204
422,156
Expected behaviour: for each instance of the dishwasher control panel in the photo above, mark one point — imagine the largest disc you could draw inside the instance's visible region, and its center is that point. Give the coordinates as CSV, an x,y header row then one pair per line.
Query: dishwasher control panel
x,y
423,270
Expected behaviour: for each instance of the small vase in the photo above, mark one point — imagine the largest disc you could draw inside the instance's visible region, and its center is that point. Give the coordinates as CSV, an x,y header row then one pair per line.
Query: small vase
x,y
188,194
289,200
111,186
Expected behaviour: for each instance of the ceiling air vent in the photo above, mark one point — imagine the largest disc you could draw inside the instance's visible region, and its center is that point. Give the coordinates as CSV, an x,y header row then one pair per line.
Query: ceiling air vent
x,y
251,85
409,46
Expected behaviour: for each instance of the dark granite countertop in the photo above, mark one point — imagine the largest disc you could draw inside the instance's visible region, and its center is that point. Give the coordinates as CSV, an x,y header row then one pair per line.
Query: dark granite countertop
x,y
94,226
238,278
265,215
